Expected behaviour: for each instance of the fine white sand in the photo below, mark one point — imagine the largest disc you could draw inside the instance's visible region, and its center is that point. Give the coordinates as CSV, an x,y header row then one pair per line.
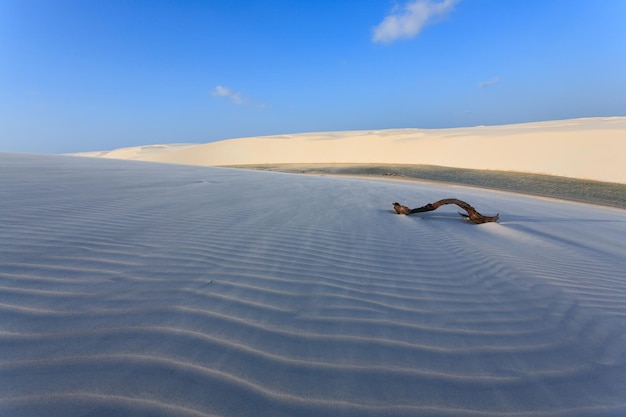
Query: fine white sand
x,y
588,148
136,289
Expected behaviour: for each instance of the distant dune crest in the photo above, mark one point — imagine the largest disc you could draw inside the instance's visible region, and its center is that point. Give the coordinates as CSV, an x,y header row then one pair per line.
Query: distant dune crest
x,y
588,148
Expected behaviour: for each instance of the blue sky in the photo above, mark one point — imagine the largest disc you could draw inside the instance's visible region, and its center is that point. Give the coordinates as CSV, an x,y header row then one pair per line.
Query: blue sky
x,y
80,75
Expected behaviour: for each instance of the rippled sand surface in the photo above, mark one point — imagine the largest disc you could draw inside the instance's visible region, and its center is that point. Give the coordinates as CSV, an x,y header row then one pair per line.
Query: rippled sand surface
x,y
133,288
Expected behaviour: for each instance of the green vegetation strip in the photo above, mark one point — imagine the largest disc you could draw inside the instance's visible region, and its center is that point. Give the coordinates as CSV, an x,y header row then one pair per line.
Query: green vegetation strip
x,y
596,192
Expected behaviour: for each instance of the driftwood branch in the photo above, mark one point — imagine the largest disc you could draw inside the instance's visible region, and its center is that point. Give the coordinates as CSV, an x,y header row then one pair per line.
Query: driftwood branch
x,y
472,215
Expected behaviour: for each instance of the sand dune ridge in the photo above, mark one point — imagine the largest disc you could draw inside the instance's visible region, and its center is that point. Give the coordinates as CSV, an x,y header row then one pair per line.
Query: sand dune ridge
x,y
585,148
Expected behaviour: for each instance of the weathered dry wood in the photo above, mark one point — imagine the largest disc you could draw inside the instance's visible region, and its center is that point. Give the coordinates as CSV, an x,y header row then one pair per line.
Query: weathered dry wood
x,y
472,215
400,209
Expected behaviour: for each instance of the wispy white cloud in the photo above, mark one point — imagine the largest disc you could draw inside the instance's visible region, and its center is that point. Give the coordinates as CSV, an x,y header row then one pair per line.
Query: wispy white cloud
x,y
235,97
485,84
407,21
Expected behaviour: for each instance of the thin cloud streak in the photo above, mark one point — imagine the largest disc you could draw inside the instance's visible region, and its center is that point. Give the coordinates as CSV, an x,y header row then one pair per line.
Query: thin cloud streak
x,y
485,84
407,21
235,97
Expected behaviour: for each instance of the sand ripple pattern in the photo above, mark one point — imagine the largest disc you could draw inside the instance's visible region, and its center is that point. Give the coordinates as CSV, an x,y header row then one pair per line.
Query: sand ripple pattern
x,y
131,288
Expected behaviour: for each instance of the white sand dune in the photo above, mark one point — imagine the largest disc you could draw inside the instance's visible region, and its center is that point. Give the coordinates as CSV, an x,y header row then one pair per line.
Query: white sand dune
x,y
130,288
589,148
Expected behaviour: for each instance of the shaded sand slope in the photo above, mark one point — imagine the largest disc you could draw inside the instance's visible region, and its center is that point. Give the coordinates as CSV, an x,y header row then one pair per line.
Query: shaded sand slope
x,y
589,191
130,288
588,148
